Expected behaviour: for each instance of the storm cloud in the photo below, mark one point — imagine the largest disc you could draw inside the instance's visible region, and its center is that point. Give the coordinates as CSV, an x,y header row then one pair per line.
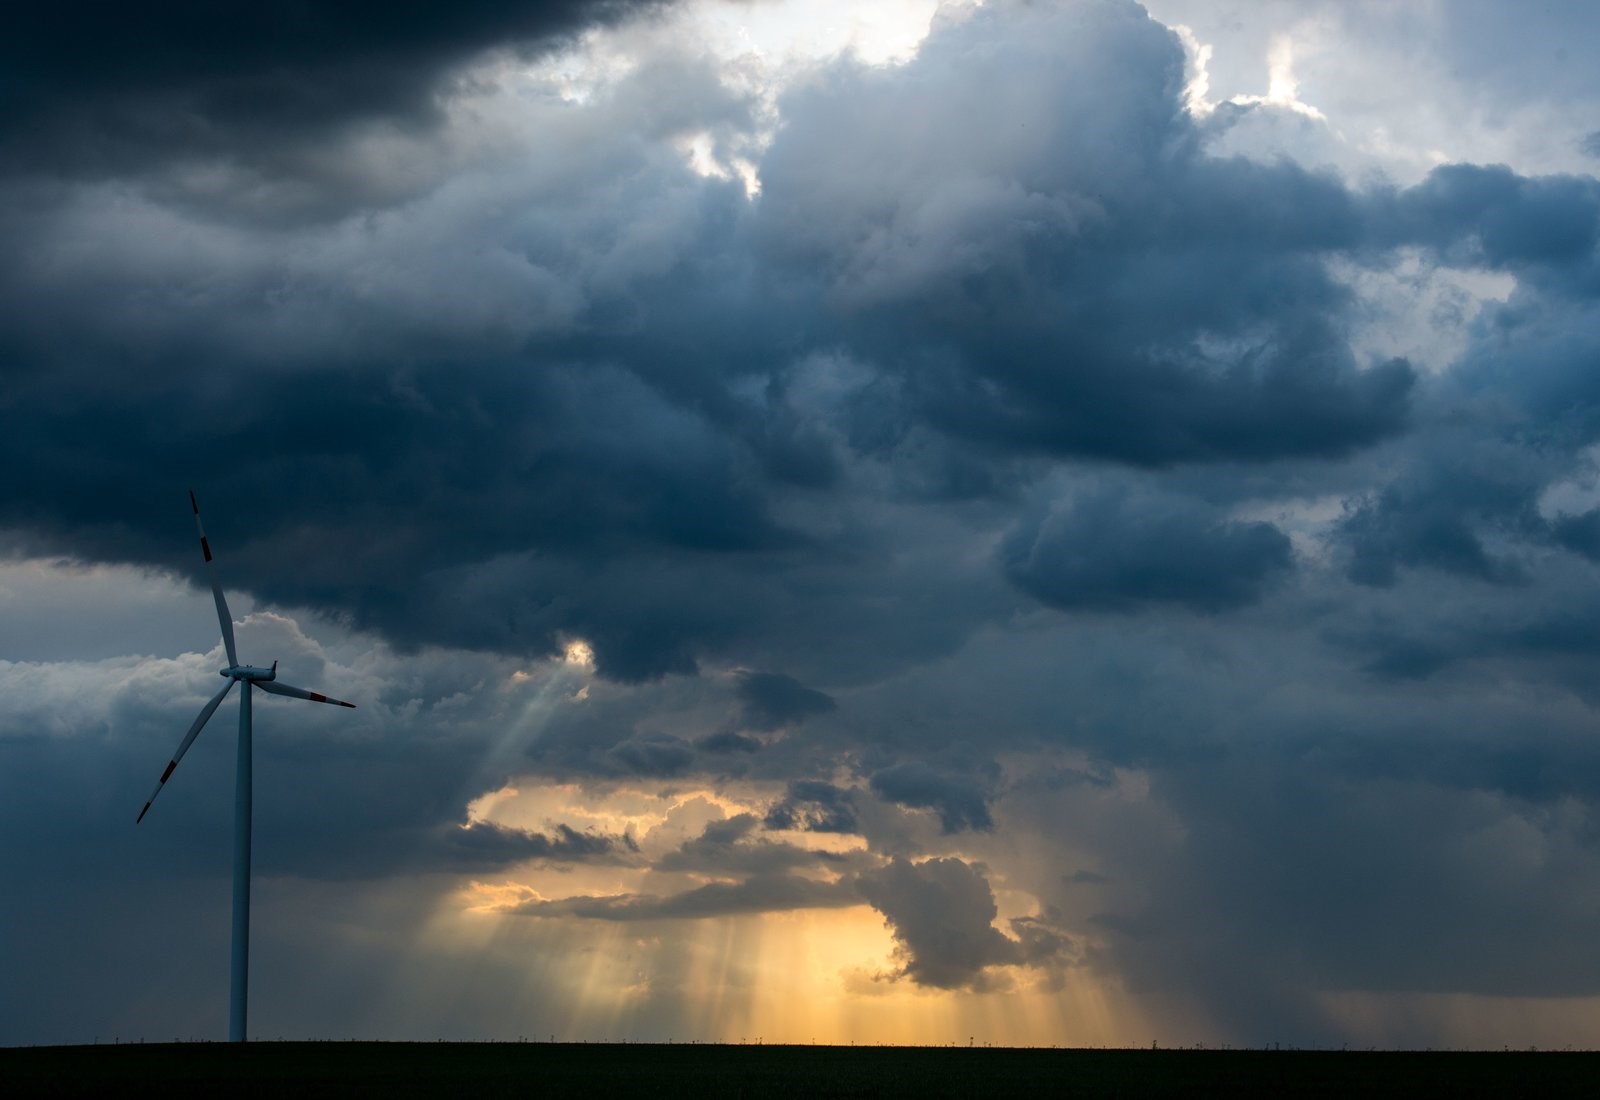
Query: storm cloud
x,y
567,444
1113,553
772,700
959,800
814,806
942,914
96,88
1121,534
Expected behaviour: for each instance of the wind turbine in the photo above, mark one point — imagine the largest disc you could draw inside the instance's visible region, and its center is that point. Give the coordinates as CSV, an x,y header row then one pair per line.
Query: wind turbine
x,y
251,677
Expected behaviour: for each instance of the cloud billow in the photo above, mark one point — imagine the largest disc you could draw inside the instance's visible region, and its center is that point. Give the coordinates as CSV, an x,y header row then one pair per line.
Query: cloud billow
x,y
941,912
590,414
1099,287
1112,551
485,844
730,847
1492,216
960,800
652,754
99,88
772,700
814,806
605,417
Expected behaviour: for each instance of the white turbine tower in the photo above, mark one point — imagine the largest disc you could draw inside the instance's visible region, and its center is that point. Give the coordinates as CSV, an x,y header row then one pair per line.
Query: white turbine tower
x,y
251,677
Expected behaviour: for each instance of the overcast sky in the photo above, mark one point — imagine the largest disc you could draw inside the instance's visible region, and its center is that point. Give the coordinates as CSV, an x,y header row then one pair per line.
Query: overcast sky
x,y
1050,523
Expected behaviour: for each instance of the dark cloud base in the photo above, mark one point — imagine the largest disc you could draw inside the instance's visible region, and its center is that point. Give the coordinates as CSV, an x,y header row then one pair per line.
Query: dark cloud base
x,y
97,87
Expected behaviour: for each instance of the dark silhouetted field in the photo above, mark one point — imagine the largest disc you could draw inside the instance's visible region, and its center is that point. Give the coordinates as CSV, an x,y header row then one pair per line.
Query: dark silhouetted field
x,y
538,1071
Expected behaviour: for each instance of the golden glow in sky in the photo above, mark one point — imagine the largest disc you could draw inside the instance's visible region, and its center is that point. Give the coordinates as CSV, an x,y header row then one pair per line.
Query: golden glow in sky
x,y
823,974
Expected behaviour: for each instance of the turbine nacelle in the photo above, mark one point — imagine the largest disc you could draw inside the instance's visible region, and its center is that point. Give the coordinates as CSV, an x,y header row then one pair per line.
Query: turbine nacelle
x,y
250,672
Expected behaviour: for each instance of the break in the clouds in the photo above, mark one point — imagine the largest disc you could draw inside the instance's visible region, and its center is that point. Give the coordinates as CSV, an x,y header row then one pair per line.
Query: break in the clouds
x,y
1082,515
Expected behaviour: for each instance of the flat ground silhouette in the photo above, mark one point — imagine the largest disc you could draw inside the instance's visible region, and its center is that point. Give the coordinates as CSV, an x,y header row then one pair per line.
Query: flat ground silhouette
x,y
588,1070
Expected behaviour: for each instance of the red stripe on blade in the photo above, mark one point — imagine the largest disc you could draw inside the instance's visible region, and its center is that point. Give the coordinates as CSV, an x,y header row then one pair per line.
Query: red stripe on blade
x,y
315,698
206,547
168,772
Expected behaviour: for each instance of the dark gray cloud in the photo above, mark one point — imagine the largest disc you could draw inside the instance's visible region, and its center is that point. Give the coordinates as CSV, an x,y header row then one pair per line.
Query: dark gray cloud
x,y
96,87
1465,494
1113,552
1494,217
942,913
960,799
1437,515
814,806
729,741
486,844
728,847
1579,533
773,700
1367,896
653,754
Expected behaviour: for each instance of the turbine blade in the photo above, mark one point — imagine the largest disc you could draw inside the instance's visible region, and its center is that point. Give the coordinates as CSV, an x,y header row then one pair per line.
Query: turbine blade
x,y
278,687
224,616
188,739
